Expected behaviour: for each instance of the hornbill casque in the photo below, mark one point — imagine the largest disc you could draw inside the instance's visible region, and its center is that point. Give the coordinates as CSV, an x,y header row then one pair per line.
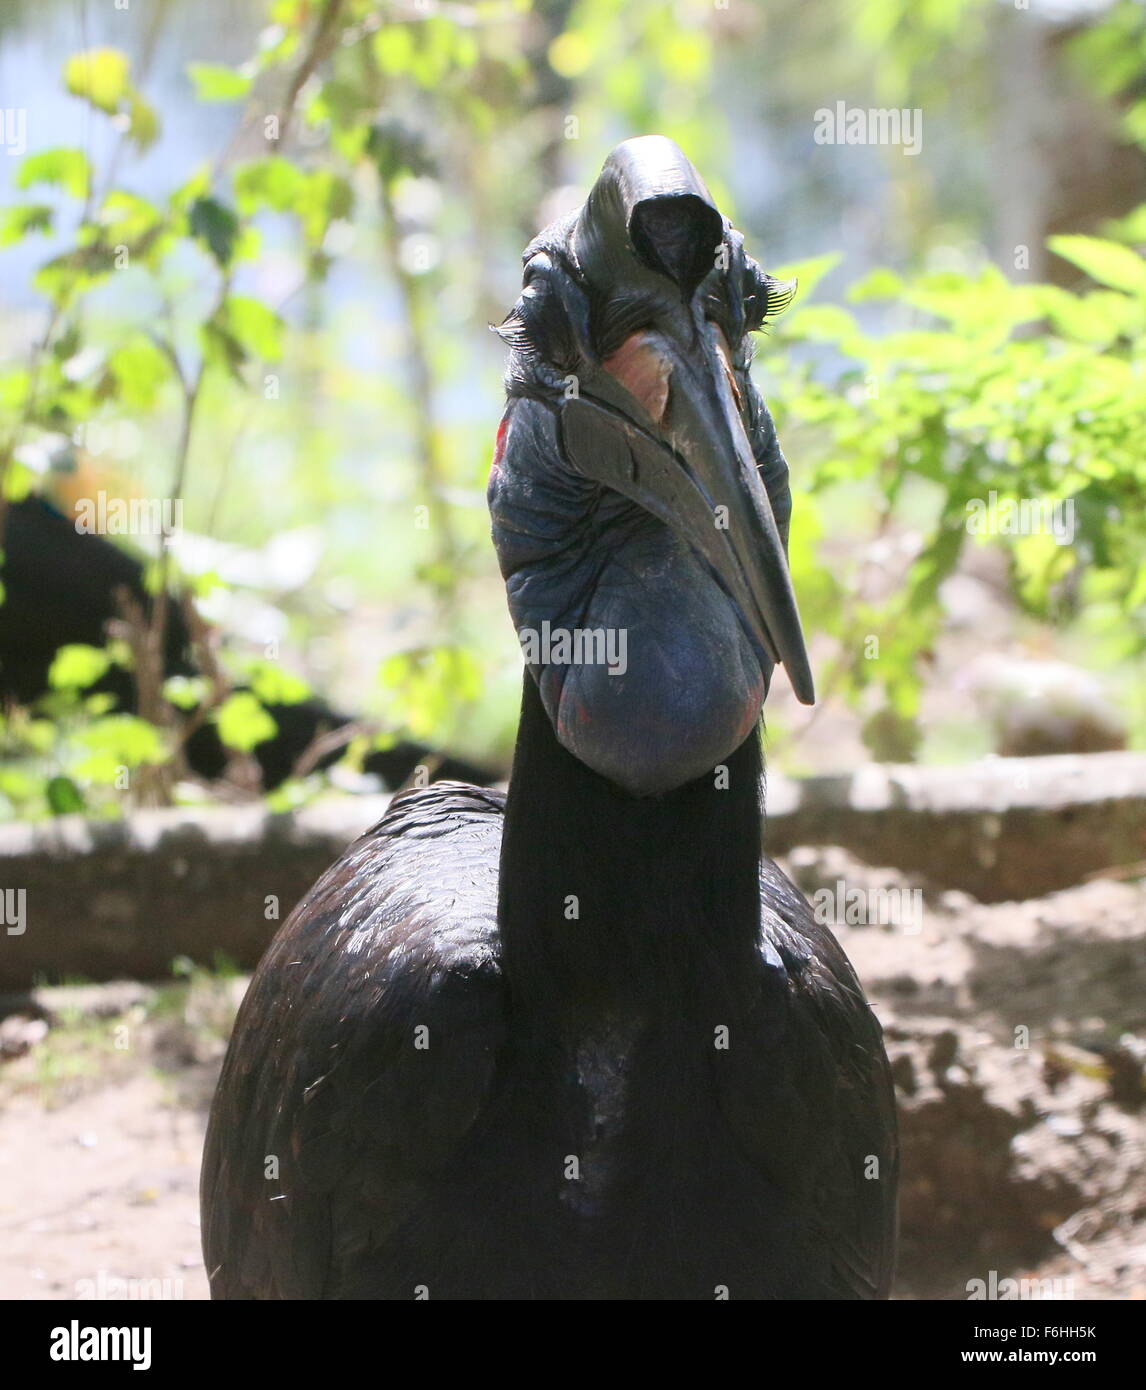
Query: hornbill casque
x,y
583,1041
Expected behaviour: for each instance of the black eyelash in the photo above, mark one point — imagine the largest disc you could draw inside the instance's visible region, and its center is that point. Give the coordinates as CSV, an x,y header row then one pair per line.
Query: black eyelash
x,y
764,296
620,319
514,332
538,326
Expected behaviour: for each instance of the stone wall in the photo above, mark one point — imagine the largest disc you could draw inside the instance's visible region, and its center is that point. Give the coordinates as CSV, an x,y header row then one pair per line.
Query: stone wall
x,y
105,900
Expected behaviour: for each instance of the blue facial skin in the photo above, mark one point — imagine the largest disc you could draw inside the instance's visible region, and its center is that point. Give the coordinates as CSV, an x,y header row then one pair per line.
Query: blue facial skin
x,y
638,487
579,556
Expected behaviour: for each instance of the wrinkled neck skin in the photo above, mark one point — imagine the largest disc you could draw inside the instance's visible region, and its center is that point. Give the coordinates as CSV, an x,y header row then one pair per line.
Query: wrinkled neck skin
x,y
613,902
631,842
682,686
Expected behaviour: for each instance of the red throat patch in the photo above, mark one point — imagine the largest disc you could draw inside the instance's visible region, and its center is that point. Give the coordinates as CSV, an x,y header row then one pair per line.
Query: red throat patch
x,y
499,443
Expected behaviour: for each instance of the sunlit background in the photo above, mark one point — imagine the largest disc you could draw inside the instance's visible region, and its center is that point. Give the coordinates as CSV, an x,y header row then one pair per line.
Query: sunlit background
x,y
250,254
323,209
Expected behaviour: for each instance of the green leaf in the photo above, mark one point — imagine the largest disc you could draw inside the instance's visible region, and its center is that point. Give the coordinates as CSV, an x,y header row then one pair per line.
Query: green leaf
x,y
120,740
204,584
145,127
153,577
64,797
63,168
128,217
76,666
64,277
17,222
274,686
19,482
221,347
878,284
425,685
326,198
1130,228
40,734
394,49
213,82
809,272
823,323
1104,261
100,76
256,328
197,186
243,723
140,371
1098,317
273,183
185,692
216,226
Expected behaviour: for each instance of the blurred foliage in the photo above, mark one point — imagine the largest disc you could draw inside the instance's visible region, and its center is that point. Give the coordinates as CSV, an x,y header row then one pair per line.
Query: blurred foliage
x,y
1111,56
1026,392
350,119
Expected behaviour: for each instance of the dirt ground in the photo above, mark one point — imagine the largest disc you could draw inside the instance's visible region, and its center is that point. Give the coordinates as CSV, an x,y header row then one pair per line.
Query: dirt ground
x,y
1022,1149
101,1127
110,1184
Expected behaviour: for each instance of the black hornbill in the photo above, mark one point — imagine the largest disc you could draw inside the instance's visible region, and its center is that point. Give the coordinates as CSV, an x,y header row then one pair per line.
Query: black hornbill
x,y
583,1041
62,586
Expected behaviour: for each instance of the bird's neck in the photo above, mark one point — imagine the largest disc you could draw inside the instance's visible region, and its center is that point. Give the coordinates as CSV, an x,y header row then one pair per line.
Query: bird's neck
x,y
608,900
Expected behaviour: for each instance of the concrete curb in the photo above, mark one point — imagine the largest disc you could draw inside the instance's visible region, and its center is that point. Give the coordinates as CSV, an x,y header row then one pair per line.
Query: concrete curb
x,y
107,900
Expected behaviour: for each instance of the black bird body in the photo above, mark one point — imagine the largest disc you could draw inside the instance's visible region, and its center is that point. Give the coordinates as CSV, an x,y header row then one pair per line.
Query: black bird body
x,y
585,1042
446,1169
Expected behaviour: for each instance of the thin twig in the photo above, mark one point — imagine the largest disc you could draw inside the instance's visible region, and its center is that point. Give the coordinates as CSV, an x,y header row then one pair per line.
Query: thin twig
x,y
321,45
155,783
329,741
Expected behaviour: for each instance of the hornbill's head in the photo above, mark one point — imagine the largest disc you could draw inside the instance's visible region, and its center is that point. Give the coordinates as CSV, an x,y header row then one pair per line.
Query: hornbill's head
x,y
639,497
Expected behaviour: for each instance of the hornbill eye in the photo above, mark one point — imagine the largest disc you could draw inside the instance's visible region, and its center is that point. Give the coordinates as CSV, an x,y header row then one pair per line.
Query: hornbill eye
x,y
548,318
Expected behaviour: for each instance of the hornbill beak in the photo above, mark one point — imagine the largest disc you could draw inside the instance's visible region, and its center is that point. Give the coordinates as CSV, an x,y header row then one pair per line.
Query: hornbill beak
x,y
660,419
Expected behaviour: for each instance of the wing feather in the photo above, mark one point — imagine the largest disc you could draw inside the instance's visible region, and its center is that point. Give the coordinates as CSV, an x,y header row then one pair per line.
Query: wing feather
x,y
362,1055
813,1101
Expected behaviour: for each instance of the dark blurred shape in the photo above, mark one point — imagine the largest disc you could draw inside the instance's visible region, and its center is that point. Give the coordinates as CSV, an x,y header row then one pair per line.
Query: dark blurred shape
x,y
61,588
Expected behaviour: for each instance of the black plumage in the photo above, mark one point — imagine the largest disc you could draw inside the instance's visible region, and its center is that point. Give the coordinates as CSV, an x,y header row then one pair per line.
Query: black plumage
x,y
583,1042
